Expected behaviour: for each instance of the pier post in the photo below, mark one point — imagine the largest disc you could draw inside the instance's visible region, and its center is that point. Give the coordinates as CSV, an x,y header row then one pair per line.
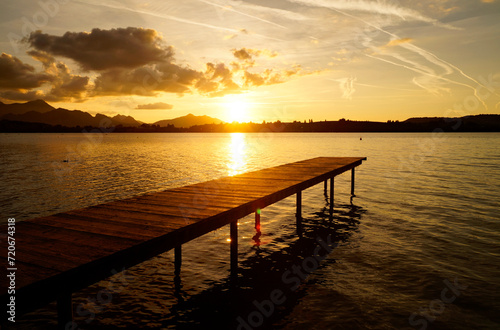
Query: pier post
x,y
352,182
298,214
332,185
234,249
326,185
64,310
177,260
257,220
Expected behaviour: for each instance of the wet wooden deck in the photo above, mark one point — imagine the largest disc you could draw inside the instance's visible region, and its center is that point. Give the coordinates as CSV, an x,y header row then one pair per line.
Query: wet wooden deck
x,y
60,254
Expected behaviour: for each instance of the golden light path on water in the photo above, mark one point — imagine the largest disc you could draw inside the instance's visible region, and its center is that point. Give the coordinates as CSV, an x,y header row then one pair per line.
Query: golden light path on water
x,y
237,151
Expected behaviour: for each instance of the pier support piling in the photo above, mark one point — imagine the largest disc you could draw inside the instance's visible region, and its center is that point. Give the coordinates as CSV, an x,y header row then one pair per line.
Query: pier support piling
x,y
64,310
234,248
352,182
178,260
257,220
298,214
332,185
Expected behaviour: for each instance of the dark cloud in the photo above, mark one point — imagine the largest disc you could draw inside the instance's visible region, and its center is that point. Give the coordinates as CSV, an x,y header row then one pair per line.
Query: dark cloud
x,y
127,61
18,80
175,78
246,54
146,80
217,81
155,106
16,75
69,88
242,54
65,85
125,82
105,49
21,95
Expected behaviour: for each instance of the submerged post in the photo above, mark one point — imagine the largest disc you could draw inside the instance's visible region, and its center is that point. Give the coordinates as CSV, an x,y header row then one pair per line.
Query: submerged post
x,y
178,260
64,310
352,182
257,235
298,214
234,248
257,220
331,195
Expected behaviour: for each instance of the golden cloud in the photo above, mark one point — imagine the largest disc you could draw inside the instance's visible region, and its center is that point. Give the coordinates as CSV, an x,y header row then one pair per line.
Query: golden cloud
x,y
128,61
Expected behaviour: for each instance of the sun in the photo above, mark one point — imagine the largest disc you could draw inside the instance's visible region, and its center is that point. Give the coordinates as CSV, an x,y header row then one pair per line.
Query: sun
x,y
237,110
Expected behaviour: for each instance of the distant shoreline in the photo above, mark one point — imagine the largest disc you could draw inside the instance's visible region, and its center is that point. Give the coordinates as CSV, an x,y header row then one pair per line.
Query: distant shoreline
x,y
40,117
478,123
94,131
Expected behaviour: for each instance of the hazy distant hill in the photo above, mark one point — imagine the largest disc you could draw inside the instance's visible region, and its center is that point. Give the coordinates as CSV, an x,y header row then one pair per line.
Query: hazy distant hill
x,y
39,111
188,121
71,118
20,108
126,121
467,123
422,120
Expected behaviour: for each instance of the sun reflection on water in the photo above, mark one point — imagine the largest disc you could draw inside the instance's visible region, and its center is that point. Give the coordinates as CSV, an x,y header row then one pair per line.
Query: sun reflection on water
x,y
237,154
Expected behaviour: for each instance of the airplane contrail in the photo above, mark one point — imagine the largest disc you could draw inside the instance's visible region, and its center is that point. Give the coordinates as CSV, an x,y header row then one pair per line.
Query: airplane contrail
x,y
173,18
427,55
431,75
242,13
374,7
392,88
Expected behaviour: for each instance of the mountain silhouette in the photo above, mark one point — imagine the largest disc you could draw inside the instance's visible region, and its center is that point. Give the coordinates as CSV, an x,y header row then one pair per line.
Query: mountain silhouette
x,y
39,111
21,108
71,118
188,121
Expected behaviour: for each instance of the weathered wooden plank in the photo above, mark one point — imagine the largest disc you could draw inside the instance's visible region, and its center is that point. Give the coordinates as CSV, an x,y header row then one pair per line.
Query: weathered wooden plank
x,y
162,220
196,201
58,259
240,183
27,273
238,193
70,236
146,210
84,223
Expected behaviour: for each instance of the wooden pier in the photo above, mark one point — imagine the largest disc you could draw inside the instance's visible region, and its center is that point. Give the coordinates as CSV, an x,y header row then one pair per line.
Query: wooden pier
x,y
63,253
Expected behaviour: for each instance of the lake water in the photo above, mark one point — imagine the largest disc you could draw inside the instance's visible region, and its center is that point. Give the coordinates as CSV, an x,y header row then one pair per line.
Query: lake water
x,y
418,247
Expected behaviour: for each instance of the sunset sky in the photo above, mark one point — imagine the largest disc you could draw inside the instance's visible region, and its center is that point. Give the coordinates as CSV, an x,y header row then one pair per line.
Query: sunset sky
x,y
254,60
